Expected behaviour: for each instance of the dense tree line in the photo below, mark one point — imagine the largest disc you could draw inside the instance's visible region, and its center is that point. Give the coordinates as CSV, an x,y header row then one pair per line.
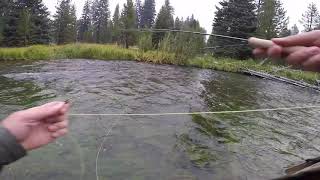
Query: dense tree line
x,y
98,26
24,23
27,22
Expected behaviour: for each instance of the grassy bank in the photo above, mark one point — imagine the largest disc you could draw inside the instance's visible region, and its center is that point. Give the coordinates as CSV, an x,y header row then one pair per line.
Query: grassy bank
x,y
232,65
112,52
84,51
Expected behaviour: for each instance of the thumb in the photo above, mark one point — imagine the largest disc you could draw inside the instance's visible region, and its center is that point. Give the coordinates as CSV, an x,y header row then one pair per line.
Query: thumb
x,y
44,111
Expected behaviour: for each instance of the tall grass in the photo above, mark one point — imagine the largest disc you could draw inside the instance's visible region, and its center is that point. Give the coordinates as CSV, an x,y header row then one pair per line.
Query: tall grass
x,y
71,51
113,52
145,42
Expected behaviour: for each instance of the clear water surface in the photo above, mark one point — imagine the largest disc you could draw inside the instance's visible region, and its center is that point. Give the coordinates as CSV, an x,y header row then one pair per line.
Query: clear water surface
x,y
233,146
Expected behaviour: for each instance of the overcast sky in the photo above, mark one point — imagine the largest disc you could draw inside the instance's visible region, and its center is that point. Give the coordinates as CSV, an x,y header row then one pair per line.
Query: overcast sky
x,y
202,9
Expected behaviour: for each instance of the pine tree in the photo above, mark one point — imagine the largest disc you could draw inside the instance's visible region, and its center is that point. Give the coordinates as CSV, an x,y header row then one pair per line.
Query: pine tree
x,y
128,21
4,4
100,20
294,30
235,18
24,27
73,25
310,19
139,14
116,25
65,23
164,21
281,19
10,31
267,24
27,23
3,15
272,19
148,13
40,22
85,27
178,23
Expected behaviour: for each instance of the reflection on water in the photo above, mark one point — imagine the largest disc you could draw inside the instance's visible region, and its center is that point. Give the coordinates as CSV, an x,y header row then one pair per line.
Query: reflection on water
x,y
229,146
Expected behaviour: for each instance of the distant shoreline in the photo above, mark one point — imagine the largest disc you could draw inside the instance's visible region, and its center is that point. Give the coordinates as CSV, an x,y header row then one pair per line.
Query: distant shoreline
x,y
114,52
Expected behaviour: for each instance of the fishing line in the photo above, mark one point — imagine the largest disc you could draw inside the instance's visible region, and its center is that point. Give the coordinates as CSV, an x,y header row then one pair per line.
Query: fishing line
x,y
108,132
225,46
182,31
202,113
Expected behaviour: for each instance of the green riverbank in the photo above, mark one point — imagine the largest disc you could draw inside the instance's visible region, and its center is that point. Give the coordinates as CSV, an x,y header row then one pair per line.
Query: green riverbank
x,y
113,52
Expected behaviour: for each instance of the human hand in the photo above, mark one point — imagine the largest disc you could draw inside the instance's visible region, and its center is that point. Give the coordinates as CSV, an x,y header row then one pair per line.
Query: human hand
x,y
38,126
307,58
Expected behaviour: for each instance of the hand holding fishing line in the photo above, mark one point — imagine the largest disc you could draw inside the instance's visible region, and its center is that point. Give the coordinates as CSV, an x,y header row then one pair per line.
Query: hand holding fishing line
x,y
302,50
39,126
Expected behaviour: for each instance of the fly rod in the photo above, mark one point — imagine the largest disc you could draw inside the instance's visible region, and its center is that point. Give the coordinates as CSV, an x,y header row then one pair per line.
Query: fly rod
x,y
252,41
265,44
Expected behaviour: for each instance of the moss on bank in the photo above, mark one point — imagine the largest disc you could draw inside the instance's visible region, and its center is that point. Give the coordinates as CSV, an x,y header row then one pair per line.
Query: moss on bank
x,y
113,52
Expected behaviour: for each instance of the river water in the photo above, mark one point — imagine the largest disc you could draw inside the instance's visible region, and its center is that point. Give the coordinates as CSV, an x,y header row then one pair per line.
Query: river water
x,y
233,146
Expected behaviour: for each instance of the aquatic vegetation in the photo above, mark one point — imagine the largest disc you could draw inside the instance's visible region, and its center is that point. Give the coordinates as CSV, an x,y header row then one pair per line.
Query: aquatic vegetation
x,y
23,93
114,52
200,155
213,128
197,151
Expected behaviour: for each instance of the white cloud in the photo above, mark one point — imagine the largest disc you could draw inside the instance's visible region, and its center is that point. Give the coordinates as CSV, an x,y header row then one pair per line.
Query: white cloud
x,y
202,9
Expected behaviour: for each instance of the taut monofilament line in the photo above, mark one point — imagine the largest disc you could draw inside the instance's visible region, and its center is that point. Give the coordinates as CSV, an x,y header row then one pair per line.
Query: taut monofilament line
x,y
183,31
203,113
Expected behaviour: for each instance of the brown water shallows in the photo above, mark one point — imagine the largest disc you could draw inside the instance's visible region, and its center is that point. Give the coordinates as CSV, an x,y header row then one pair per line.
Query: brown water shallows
x,y
257,145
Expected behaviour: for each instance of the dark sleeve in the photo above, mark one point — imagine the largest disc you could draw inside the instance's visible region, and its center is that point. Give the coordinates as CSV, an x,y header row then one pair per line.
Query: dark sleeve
x,y
10,149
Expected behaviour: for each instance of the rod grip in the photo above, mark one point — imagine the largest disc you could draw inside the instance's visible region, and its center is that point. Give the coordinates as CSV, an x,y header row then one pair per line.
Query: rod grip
x,y
265,44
